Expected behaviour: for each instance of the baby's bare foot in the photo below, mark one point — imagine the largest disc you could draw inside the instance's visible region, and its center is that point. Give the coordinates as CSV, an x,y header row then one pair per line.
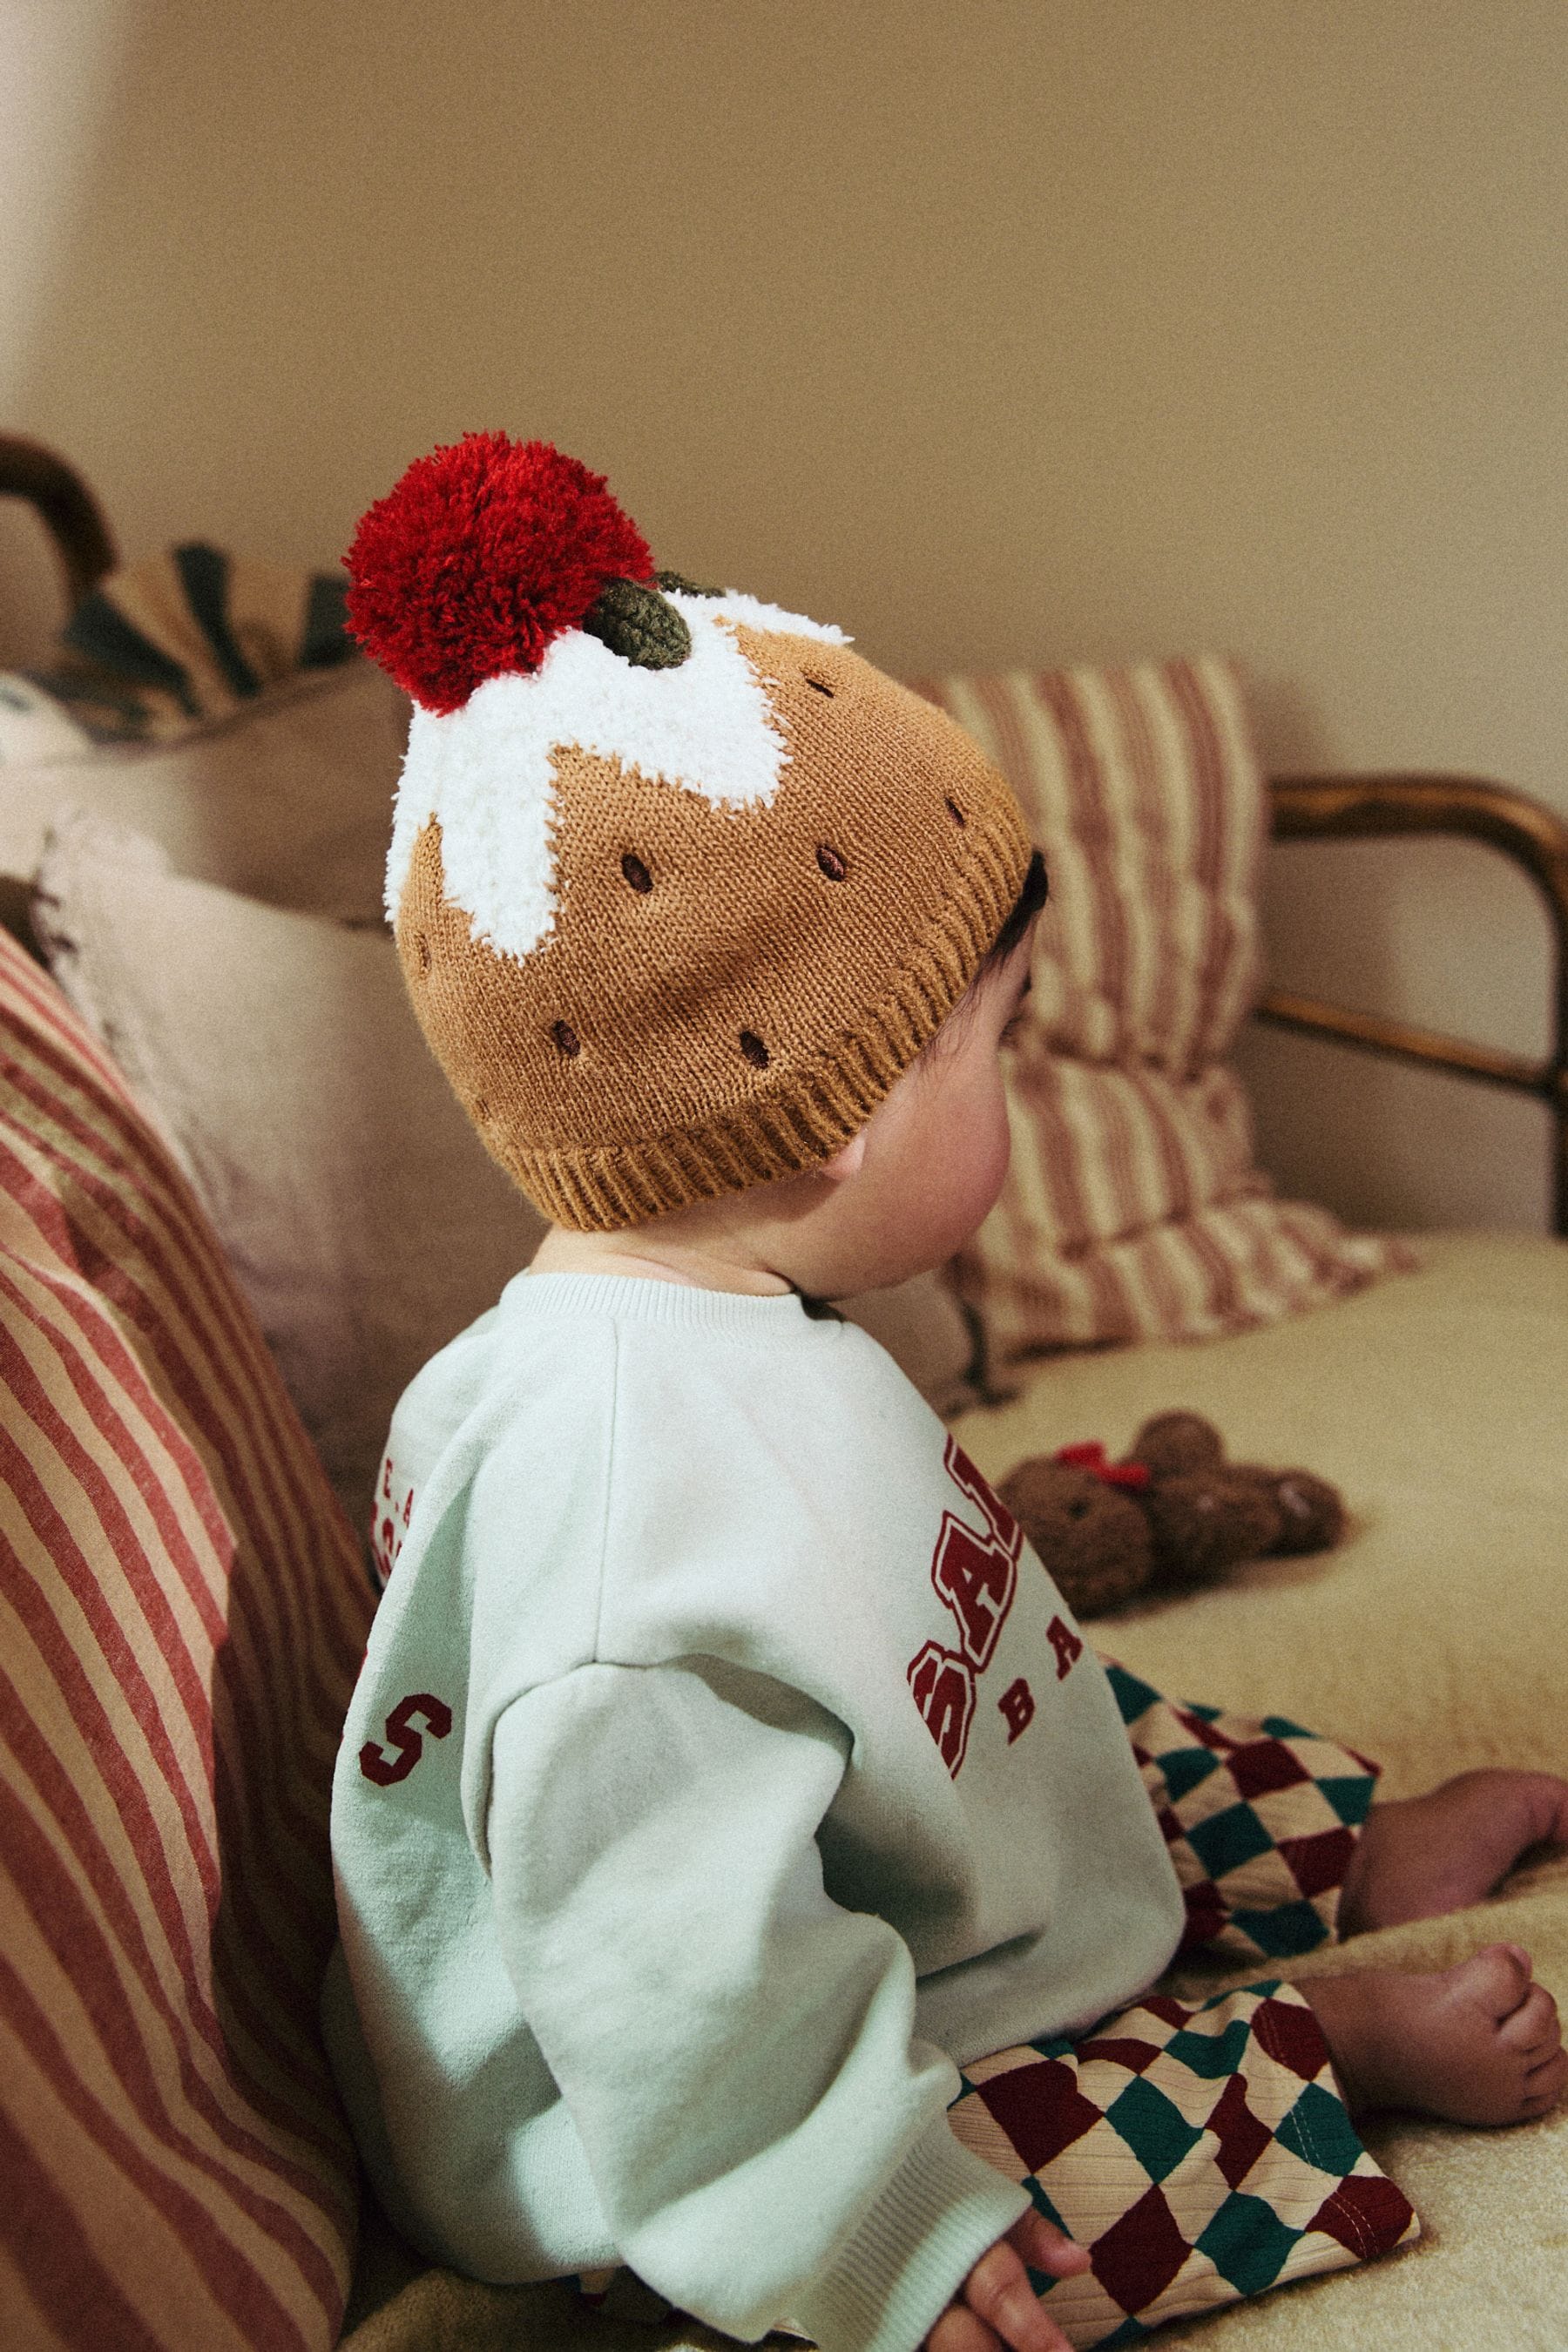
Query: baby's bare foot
x,y
1419,1856
1478,2043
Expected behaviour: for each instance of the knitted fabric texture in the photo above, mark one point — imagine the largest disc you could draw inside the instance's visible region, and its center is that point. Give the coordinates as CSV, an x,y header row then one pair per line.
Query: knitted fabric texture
x,y
680,894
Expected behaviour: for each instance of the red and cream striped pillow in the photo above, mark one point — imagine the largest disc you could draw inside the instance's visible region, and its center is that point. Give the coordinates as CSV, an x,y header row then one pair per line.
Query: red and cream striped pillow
x,y
1134,1209
183,1614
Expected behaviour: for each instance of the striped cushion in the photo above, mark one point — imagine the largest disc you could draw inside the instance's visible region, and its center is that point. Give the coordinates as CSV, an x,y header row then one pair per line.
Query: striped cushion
x,y
1133,1209
184,1613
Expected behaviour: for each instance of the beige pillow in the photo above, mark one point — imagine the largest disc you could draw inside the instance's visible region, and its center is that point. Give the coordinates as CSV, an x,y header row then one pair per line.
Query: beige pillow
x,y
360,1213
1135,1208
288,797
278,1051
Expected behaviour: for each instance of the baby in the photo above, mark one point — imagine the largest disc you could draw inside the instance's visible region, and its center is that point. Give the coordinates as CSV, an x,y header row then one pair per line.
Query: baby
x,y
748,1879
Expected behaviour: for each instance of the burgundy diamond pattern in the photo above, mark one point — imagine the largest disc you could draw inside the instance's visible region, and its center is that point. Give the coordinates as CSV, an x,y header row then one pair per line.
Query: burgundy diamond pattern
x,y
1260,1766
1318,1863
1241,2137
1134,2055
1361,2212
1263,2210
1041,2109
1290,1842
1291,2035
1137,2257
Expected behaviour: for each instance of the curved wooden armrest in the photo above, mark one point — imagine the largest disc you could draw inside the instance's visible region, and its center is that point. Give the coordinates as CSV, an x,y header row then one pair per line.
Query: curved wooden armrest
x,y
1347,808
65,507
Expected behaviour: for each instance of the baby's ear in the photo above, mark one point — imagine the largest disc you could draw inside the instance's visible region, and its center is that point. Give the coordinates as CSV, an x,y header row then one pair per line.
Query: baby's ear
x,y
846,1163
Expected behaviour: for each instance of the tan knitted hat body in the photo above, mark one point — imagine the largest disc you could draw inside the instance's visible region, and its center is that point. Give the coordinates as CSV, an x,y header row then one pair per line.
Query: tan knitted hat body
x,y
679,896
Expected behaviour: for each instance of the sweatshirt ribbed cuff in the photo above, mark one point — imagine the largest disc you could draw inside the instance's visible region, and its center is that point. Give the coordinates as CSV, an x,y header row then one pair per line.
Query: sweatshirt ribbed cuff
x,y
906,2259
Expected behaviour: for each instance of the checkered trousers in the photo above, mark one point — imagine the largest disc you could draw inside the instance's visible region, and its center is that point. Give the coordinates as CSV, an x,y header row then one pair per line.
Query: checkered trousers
x,y
1204,2154
1261,1819
1201,2153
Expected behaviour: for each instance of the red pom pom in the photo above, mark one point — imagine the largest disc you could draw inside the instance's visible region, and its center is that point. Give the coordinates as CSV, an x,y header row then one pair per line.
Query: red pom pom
x,y
484,552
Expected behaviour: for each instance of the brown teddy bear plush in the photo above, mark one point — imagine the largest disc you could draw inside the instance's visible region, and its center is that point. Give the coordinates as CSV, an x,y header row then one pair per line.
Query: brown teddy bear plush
x,y
1171,1512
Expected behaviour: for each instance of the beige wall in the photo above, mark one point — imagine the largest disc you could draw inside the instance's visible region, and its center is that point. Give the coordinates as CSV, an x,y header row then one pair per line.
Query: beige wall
x,y
1004,333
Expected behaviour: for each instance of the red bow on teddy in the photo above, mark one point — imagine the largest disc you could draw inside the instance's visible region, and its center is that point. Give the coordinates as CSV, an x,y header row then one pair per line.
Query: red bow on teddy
x,y
1092,1456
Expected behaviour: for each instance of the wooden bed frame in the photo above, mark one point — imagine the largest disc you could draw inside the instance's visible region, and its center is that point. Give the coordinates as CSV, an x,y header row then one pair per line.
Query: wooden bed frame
x,y
1365,808
1304,808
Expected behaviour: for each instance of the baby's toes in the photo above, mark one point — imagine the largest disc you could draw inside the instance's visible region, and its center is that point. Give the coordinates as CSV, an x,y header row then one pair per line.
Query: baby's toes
x,y
1545,2083
1551,2033
1498,1976
1532,2029
1558,1832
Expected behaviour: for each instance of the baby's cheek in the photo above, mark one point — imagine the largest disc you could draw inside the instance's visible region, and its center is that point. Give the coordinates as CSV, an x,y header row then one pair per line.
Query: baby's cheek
x,y
997,1162
995,1146
988,1148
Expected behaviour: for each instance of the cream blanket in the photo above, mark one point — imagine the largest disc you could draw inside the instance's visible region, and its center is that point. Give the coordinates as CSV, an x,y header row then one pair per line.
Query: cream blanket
x,y
1435,1638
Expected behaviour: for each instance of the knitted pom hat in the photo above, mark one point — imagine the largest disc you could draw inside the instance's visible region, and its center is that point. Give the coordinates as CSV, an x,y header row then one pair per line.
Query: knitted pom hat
x,y
680,885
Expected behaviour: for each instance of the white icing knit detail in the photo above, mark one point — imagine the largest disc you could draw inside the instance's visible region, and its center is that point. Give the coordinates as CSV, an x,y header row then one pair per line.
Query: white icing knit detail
x,y
735,606
486,772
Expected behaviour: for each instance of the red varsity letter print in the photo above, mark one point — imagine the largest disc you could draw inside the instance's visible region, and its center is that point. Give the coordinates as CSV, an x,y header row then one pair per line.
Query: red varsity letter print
x,y
977,1574
944,1685
401,1736
1003,1527
1017,1704
1066,1644
389,1519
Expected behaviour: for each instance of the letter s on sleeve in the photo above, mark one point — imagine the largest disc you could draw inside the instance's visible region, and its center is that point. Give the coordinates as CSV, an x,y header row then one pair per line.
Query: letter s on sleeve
x,y
400,1734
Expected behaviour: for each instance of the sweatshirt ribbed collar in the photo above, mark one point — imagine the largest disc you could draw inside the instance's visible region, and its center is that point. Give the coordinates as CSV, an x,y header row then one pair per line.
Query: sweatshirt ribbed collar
x,y
644,1299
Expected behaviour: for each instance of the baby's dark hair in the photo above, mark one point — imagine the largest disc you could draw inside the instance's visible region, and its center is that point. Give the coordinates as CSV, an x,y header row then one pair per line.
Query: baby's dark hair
x,y
1027,905
1031,899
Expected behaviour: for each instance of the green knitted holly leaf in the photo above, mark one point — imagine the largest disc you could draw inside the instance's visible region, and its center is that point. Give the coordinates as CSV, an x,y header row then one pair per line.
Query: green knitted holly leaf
x,y
639,624
676,583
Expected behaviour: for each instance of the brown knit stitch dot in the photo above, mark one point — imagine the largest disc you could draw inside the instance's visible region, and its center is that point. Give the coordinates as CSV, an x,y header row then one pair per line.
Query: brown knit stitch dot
x,y
478,1109
816,684
566,1037
956,812
422,952
832,865
636,874
755,1052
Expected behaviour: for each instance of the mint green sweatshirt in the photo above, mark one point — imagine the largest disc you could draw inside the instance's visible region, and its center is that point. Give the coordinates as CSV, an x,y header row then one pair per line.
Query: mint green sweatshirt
x,y
723,1768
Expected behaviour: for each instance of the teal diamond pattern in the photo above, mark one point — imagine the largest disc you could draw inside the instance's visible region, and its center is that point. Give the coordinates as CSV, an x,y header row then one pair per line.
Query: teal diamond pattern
x,y
1132,2331
1350,1795
1157,2132
1211,2056
1185,1768
1291,1929
1056,2045
1318,2131
1248,2242
1262,1985
1132,1697
1228,1839
1043,2204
